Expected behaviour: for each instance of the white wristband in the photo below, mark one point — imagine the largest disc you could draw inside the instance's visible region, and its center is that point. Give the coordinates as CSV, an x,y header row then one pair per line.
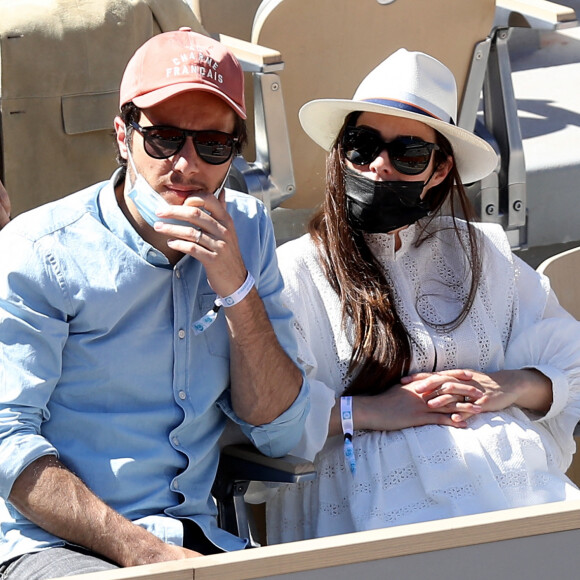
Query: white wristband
x,y
208,319
348,430
346,416
238,295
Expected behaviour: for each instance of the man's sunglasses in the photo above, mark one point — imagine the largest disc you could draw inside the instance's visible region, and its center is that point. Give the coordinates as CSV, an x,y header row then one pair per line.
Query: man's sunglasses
x,y
163,141
408,155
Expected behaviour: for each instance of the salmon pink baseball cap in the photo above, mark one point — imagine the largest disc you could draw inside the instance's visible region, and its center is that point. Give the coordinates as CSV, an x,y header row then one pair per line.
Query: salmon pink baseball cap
x,y
179,61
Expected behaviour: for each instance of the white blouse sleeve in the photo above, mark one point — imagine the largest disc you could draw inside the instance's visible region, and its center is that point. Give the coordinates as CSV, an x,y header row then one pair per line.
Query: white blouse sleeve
x,y
301,297
547,338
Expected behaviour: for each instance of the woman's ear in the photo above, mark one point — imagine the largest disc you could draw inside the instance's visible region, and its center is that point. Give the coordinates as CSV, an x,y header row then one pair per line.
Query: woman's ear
x,y
441,171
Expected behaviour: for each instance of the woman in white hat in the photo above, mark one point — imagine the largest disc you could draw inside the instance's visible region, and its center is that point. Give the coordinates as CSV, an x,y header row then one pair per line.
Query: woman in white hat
x,y
445,377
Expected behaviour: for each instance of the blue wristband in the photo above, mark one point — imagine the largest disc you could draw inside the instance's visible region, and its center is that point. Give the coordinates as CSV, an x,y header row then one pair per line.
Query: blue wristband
x,y
348,430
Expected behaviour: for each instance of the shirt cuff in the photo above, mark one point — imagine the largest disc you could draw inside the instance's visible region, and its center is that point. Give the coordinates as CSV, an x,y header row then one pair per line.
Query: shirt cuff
x,y
315,434
16,454
277,438
559,390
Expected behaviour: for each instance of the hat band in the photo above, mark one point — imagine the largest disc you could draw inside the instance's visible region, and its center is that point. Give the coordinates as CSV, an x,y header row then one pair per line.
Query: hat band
x,y
406,107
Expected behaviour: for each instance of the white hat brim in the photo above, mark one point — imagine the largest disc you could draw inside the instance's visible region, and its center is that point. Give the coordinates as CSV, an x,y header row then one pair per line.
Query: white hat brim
x,y
322,120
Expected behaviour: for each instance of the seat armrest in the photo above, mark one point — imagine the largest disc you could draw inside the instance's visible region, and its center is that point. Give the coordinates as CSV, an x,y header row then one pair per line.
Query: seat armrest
x,y
253,57
538,14
245,462
270,177
239,465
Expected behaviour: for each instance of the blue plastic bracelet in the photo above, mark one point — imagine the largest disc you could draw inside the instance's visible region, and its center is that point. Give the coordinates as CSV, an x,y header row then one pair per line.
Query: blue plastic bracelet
x,y
348,430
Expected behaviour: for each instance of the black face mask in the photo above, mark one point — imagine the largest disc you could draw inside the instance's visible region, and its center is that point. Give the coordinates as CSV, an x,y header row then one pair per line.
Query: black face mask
x,y
382,206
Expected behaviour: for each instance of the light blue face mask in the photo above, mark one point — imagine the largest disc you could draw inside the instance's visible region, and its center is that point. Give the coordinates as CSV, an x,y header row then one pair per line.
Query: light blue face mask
x,y
148,201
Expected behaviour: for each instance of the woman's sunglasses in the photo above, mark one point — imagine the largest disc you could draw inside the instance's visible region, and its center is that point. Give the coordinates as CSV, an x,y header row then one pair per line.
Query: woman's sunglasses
x,y
408,155
163,141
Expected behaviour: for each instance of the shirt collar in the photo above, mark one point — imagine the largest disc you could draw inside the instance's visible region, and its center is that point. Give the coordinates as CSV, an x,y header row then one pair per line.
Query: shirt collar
x,y
383,245
115,221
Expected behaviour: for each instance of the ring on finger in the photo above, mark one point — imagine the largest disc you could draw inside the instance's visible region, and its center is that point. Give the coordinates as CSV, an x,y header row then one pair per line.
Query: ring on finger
x,y
467,399
198,237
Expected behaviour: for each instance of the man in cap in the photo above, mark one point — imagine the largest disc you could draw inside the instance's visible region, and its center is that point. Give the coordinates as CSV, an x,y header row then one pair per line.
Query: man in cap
x,y
135,317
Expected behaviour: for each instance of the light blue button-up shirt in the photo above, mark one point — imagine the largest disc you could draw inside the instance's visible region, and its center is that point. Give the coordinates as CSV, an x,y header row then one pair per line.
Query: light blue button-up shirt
x,y
100,365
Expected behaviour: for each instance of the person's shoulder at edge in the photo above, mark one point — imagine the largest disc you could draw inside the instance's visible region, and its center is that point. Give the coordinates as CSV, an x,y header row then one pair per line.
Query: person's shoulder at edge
x,y
297,249
298,255
244,203
55,215
495,240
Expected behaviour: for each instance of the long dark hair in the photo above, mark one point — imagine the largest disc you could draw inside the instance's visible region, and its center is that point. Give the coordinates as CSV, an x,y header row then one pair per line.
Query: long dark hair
x,y
381,352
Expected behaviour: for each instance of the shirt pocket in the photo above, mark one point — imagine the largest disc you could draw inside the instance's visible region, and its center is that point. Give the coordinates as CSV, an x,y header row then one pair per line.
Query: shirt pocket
x,y
216,335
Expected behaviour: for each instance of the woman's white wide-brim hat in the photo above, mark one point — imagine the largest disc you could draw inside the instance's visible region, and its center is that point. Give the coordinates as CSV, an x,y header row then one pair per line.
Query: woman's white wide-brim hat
x,y
412,85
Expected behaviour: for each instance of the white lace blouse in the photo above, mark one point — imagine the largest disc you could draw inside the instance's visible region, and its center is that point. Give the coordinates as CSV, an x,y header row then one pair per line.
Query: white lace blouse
x,y
501,460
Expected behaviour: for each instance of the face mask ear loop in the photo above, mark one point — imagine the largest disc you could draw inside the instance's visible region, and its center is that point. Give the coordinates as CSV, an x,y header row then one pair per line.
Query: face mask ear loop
x,y
221,185
432,174
130,158
423,202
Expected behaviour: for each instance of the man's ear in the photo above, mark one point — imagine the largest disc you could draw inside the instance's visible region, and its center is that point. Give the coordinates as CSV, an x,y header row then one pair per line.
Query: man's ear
x,y
121,136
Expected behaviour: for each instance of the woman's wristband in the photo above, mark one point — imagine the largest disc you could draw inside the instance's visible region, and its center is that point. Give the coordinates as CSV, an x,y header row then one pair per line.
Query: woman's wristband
x,y
348,429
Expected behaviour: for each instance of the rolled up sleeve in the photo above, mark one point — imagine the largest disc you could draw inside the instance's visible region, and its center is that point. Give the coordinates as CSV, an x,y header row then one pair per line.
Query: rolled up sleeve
x,y
279,437
32,335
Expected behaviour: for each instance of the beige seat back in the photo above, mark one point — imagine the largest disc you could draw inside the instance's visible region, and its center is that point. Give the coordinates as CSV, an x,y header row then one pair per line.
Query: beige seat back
x,y
61,63
328,46
563,270
231,17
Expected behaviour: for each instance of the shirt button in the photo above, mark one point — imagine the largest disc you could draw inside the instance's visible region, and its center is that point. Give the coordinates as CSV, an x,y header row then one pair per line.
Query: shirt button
x,y
181,333
175,441
177,274
182,395
176,485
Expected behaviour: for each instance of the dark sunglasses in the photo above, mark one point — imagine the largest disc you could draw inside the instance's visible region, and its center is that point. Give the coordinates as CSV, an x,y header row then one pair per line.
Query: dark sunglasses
x,y
163,141
408,155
